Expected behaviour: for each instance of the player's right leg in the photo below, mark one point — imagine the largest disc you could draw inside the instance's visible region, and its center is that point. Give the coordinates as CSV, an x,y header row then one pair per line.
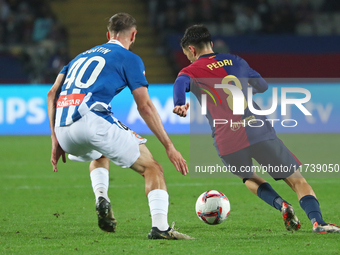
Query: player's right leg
x,y
155,190
310,204
125,148
264,190
273,154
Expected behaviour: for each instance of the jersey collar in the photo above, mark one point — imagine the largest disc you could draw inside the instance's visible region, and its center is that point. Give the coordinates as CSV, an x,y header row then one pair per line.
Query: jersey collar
x,y
116,42
207,55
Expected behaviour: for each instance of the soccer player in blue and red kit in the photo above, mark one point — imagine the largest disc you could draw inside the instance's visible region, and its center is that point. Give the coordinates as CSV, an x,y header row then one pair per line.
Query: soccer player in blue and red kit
x,y
250,135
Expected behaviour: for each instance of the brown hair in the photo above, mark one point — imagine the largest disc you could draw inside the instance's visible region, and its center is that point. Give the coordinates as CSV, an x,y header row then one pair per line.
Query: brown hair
x,y
121,22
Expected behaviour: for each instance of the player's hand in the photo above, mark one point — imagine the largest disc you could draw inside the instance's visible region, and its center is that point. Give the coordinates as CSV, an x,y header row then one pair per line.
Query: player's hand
x,y
181,110
177,159
57,151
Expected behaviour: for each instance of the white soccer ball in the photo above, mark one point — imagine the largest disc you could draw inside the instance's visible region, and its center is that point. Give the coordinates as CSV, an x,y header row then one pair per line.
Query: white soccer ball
x,y
212,207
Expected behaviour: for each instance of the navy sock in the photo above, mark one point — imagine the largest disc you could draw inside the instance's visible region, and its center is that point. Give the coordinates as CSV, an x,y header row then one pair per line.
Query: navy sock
x,y
311,207
269,195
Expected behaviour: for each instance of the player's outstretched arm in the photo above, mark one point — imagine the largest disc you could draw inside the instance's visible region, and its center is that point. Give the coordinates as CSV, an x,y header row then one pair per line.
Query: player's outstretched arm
x,y
181,86
259,85
52,96
256,81
150,115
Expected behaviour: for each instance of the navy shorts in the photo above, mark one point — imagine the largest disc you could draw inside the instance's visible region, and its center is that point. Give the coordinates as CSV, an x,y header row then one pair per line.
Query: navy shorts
x,y
272,155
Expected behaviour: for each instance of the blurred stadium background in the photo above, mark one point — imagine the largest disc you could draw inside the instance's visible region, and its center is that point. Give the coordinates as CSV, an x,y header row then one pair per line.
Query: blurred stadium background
x,y
278,38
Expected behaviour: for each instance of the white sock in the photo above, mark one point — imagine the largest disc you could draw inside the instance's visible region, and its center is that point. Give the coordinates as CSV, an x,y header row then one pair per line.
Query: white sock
x,y
100,182
159,203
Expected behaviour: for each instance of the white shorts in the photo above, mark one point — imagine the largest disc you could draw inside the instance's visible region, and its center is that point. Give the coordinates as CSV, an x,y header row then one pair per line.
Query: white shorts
x,y
93,136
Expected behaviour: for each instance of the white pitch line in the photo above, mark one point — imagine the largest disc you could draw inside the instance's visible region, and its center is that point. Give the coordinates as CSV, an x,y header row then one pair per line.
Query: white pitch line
x,y
113,186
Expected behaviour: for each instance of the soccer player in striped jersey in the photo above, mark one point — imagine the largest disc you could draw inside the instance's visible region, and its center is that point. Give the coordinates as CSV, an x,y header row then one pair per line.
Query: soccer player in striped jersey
x,y
238,144
82,123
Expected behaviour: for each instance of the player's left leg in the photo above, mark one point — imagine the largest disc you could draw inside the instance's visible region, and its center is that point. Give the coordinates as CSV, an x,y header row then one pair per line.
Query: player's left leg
x,y
242,161
99,173
309,203
75,141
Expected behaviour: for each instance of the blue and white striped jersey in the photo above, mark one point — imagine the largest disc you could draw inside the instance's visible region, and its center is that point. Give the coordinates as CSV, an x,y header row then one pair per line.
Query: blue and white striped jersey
x,y
94,77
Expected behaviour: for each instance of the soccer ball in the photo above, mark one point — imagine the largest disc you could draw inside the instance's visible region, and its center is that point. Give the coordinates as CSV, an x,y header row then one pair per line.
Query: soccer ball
x,y
212,207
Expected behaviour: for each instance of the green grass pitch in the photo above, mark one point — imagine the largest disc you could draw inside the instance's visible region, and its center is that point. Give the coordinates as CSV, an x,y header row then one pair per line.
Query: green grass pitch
x,y
43,212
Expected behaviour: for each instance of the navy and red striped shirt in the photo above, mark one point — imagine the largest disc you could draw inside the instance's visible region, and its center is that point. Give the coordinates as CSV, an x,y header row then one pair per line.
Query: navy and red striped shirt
x,y
200,78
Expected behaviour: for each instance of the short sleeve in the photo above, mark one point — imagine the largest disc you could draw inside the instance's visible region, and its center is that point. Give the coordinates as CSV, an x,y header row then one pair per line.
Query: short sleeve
x,y
64,70
134,72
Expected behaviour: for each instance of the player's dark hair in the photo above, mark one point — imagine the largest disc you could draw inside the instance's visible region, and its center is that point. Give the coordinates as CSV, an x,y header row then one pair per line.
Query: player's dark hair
x,y
196,35
121,22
